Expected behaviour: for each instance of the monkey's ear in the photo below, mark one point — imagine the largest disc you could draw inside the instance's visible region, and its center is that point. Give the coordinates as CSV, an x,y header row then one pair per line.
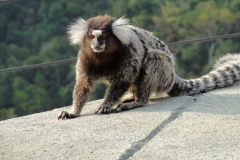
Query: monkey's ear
x,y
77,31
121,31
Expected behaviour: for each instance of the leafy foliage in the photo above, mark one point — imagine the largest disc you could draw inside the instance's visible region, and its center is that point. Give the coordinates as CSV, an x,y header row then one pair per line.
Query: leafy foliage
x,y
35,32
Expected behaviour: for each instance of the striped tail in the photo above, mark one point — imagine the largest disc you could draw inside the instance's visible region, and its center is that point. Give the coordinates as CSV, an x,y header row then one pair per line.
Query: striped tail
x,y
225,73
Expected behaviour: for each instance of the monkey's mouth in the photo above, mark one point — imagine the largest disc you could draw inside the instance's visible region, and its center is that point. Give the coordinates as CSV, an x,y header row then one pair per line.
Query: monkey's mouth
x,y
98,48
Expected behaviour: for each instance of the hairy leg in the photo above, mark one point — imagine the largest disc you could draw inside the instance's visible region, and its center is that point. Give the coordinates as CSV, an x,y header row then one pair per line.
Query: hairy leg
x,y
142,94
114,93
143,90
81,95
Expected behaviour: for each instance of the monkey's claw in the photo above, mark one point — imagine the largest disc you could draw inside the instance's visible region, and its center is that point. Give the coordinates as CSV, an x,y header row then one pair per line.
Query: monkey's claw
x,y
65,115
103,109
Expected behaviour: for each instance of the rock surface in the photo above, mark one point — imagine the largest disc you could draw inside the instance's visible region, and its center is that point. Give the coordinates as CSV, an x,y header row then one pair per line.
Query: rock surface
x,y
205,126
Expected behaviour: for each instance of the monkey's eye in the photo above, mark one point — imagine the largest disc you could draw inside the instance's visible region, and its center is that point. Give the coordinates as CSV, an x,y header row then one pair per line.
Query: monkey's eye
x,y
103,36
92,36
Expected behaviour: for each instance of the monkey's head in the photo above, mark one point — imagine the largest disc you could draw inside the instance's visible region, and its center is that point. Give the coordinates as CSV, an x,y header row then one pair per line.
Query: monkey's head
x,y
100,34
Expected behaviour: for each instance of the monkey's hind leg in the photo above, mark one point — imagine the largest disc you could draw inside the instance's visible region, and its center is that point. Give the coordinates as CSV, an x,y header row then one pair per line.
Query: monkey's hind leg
x,y
127,106
141,97
130,97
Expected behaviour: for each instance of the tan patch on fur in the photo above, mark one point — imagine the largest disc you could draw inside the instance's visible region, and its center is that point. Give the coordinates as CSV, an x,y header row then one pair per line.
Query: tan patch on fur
x,y
159,53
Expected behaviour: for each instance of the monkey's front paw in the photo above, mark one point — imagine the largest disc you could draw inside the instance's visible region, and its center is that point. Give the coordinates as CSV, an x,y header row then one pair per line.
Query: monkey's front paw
x,y
66,115
103,109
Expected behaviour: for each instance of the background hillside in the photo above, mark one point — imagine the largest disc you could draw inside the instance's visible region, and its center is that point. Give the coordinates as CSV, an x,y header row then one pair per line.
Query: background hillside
x,y
35,31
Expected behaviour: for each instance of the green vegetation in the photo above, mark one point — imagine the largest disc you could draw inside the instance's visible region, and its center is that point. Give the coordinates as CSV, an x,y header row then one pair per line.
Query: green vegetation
x,y
35,31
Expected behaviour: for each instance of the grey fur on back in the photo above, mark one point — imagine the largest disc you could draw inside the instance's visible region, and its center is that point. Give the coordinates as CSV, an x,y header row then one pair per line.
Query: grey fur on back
x,y
225,72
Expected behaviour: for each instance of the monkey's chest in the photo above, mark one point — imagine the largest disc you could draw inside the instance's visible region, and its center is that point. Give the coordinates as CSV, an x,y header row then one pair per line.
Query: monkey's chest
x,y
103,71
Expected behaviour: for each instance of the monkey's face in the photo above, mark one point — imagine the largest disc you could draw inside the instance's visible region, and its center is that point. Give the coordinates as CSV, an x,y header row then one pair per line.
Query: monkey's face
x,y
98,40
100,34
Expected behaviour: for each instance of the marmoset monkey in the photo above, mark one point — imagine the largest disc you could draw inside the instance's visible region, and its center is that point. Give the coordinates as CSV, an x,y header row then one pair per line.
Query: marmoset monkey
x,y
133,60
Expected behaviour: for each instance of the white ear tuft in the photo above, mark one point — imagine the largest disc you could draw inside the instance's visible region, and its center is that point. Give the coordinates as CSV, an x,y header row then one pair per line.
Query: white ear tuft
x,y
77,31
121,31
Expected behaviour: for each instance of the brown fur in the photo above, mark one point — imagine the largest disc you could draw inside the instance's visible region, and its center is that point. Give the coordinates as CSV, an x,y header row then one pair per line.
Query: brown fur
x,y
101,22
106,63
94,66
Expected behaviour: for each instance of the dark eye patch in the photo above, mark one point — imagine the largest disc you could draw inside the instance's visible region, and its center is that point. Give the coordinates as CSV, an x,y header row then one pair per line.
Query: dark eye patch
x,y
92,36
103,36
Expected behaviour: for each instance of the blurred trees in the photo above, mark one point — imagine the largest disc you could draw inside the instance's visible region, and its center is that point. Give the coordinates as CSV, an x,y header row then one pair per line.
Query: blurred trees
x,y
35,32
